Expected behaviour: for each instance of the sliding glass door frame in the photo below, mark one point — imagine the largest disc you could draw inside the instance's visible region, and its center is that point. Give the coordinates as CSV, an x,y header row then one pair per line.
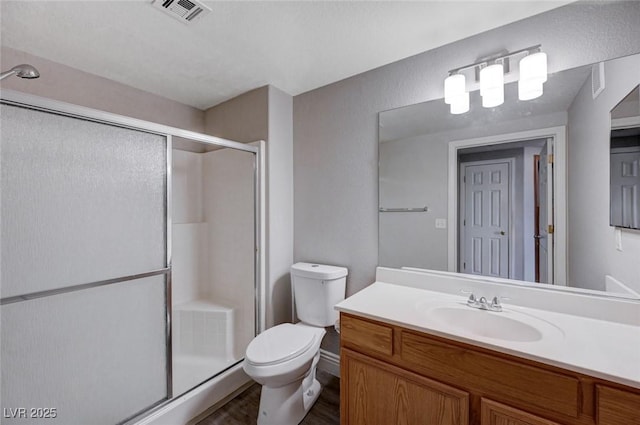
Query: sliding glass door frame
x,y
28,101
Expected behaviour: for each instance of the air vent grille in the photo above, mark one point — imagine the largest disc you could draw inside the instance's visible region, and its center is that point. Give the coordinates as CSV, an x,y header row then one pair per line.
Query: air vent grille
x,y
186,11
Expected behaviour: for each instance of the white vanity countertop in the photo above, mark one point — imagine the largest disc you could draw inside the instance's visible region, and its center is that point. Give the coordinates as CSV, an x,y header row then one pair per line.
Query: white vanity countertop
x,y
603,349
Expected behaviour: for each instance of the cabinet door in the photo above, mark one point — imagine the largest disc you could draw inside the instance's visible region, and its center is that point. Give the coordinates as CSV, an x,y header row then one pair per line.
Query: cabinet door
x,y
499,414
617,407
375,393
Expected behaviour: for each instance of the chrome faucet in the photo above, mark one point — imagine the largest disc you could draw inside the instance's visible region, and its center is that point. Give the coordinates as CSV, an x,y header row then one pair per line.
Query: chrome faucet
x,y
483,304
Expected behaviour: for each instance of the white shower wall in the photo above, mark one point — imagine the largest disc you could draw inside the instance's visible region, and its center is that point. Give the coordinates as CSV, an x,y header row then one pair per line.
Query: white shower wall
x,y
190,247
189,241
212,246
228,209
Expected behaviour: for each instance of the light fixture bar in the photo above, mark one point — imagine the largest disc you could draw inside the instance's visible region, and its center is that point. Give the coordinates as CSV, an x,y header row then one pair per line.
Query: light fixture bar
x,y
530,50
490,77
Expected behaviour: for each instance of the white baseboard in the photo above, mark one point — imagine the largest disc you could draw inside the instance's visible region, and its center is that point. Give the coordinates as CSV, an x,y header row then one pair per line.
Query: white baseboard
x,y
329,362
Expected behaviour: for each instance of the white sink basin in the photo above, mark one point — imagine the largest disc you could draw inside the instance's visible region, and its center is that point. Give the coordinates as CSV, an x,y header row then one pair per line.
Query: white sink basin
x,y
506,325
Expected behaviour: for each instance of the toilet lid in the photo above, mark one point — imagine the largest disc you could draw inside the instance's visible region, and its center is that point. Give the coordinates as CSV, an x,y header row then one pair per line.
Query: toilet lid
x,y
279,344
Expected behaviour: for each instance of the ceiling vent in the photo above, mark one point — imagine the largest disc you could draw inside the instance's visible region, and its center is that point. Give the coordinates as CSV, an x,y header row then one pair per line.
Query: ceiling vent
x,y
186,11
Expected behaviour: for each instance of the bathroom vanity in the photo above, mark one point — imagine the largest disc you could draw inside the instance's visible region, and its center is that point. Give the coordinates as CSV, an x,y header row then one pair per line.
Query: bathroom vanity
x,y
417,354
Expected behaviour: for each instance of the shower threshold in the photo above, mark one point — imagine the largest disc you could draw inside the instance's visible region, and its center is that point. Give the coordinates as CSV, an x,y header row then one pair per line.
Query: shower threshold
x,y
190,371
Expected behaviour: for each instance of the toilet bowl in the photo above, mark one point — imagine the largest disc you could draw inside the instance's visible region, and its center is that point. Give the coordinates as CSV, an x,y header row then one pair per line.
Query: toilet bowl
x,y
283,359
282,354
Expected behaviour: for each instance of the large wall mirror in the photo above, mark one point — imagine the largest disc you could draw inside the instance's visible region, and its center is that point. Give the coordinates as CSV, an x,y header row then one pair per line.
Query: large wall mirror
x,y
520,191
625,162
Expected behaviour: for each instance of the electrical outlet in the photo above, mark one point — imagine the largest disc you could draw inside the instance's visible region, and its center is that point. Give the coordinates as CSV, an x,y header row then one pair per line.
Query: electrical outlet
x,y
441,223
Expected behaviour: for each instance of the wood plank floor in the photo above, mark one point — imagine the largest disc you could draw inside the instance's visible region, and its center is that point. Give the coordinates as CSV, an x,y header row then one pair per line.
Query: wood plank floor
x,y
243,410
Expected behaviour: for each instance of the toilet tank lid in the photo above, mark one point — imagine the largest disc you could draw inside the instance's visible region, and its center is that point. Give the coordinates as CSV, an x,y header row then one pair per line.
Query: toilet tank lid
x,y
318,271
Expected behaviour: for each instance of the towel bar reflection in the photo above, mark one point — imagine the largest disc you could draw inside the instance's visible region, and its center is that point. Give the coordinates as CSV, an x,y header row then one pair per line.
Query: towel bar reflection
x,y
418,209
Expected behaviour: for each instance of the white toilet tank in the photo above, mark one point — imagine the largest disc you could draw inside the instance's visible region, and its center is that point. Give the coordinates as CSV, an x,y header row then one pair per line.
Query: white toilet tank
x,y
316,289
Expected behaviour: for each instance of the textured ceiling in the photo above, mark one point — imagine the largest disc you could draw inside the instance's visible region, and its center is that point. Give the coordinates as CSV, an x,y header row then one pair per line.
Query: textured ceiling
x,y
296,46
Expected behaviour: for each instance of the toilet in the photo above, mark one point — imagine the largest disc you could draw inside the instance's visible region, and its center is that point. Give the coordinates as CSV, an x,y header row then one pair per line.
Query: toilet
x,y
283,358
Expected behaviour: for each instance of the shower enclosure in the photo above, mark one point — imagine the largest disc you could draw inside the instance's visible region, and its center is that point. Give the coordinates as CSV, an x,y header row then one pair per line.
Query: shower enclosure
x,y
130,262
213,248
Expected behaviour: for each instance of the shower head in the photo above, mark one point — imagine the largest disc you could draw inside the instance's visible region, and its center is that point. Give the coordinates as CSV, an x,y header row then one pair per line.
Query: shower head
x,y
22,71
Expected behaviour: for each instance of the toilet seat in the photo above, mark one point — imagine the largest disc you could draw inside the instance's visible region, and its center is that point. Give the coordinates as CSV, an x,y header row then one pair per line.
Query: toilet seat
x,y
280,344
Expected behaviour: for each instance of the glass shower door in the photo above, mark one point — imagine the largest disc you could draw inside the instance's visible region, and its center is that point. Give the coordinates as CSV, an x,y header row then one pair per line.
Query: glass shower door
x,y
83,270
213,260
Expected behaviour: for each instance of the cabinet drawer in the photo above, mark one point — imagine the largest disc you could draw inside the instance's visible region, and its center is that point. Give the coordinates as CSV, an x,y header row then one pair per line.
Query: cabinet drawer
x,y
515,383
617,407
494,413
366,336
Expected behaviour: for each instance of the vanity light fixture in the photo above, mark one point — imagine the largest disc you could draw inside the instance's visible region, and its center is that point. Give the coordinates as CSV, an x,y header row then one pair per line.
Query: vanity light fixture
x,y
461,105
456,94
492,85
489,75
533,73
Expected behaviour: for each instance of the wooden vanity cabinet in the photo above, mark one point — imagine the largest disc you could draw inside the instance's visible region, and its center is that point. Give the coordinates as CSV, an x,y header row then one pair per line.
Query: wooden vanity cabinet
x,y
391,375
499,414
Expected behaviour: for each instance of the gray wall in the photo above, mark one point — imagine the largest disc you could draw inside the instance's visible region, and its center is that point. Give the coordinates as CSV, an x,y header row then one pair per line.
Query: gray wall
x,y
335,127
244,118
592,249
66,84
280,203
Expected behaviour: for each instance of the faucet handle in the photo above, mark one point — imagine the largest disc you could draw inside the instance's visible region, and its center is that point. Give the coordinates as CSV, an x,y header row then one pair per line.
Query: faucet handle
x,y
472,298
495,303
